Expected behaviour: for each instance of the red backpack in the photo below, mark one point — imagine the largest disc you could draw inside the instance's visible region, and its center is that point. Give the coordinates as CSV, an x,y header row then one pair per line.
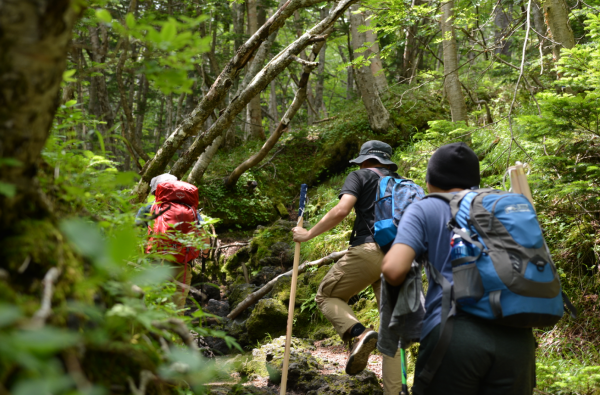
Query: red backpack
x,y
183,200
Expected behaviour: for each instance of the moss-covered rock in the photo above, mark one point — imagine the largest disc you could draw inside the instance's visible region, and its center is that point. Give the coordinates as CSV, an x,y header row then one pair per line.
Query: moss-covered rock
x,y
271,246
239,292
238,389
269,317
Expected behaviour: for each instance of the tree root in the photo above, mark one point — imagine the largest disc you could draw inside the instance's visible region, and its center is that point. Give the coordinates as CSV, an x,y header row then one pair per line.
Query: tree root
x,y
145,377
255,296
39,318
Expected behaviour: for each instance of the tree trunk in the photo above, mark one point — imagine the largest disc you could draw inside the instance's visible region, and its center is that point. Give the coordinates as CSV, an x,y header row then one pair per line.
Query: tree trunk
x,y
376,65
320,85
410,49
502,19
458,107
349,75
273,107
537,17
557,19
33,53
201,165
254,118
379,117
159,124
280,62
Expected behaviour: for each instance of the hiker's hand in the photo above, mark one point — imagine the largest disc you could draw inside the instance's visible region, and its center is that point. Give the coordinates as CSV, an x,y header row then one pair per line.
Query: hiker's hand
x,y
300,234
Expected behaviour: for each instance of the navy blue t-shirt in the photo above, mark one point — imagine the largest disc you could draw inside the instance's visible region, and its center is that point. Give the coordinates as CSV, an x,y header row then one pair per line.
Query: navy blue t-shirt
x,y
423,227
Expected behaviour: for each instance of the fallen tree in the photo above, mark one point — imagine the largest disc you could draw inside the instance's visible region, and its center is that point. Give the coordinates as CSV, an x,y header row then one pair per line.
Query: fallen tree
x,y
256,296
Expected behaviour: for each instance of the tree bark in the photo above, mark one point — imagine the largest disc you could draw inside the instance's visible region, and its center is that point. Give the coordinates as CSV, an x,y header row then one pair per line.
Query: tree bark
x,y
279,63
379,117
349,75
502,19
458,107
299,98
273,107
410,48
320,85
33,53
557,19
159,124
254,118
376,64
537,17
191,126
201,165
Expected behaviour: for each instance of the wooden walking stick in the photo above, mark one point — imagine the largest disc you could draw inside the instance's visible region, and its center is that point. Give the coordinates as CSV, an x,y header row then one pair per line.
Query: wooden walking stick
x,y
290,322
518,181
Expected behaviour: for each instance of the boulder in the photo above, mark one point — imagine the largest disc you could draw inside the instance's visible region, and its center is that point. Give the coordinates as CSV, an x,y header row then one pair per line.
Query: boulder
x,y
268,317
217,307
212,291
217,345
364,383
237,329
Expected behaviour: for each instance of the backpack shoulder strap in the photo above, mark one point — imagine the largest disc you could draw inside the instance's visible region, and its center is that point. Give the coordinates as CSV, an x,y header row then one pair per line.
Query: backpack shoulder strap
x,y
374,170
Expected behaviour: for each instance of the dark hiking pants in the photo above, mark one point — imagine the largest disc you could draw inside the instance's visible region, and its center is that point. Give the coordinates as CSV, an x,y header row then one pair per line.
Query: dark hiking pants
x,y
482,359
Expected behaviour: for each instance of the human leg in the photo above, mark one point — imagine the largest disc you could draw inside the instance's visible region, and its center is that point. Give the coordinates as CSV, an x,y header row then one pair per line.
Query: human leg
x,y
482,359
183,274
358,269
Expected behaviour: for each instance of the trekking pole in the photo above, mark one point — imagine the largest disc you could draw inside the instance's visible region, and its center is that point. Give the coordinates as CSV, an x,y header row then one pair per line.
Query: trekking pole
x,y
290,322
404,372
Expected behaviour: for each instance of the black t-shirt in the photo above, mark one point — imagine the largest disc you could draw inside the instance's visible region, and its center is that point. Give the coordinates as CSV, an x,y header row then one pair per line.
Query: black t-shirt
x,y
363,185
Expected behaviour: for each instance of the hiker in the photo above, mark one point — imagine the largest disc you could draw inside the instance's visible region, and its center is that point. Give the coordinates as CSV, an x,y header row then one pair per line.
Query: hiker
x,y
176,206
482,357
361,266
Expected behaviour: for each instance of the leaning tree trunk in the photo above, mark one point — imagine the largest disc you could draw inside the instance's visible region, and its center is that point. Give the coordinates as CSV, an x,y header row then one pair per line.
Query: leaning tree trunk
x,y
279,63
214,97
458,107
379,117
33,53
557,19
201,165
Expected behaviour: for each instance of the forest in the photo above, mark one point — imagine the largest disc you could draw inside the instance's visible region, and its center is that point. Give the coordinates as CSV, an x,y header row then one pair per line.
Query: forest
x,y
246,100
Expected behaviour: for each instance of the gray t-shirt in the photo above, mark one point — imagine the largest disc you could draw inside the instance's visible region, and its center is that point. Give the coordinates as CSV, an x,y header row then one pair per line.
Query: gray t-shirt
x,y
423,227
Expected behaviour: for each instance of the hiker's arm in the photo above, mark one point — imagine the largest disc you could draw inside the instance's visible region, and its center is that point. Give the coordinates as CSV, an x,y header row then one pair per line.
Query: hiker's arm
x,y
396,263
329,221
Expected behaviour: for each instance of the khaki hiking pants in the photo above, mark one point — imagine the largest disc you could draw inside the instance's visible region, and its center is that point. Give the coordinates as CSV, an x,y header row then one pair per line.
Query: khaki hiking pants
x,y
358,269
183,276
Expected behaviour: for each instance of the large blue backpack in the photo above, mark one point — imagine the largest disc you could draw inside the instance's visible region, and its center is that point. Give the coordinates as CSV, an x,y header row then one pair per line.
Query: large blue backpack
x,y
393,196
510,279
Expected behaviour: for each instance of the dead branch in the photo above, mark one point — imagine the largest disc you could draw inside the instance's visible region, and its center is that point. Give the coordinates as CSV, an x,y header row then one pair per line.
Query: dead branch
x,y
325,119
179,327
305,62
255,296
193,290
39,318
232,245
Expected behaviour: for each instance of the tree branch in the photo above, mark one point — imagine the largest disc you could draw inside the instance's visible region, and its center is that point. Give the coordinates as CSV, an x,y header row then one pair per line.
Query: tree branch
x,y
255,296
39,318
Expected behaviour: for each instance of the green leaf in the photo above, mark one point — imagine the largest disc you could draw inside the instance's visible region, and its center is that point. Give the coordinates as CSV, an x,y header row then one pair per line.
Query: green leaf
x,y
10,162
9,190
47,340
85,236
67,74
104,16
123,245
130,20
169,31
9,314
152,275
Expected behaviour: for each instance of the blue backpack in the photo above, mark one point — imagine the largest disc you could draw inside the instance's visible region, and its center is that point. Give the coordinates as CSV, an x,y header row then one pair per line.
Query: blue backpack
x,y
393,196
510,279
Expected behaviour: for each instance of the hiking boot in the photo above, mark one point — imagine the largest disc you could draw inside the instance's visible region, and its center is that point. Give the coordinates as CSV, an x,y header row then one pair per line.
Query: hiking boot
x,y
359,354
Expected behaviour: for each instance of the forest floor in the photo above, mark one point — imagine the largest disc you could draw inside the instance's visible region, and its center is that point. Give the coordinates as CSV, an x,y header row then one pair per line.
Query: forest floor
x,y
331,354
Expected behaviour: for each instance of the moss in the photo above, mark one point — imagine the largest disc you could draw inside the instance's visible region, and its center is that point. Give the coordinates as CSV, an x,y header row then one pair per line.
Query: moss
x,y
282,210
239,292
281,290
266,247
269,317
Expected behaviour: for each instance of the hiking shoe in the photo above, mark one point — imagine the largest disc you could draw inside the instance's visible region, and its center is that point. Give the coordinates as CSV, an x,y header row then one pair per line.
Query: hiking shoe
x,y
359,355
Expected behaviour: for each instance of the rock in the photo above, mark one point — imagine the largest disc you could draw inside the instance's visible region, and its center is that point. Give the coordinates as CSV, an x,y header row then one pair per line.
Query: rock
x,y
238,292
265,275
238,389
212,291
302,370
217,307
268,317
237,329
282,210
217,345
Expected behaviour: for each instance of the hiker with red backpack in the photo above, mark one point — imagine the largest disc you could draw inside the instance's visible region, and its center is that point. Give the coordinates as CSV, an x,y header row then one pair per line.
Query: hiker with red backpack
x,y
491,280
175,210
361,266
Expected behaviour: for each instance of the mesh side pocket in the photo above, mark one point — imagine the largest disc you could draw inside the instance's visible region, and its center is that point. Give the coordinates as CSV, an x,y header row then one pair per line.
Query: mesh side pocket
x,y
468,288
